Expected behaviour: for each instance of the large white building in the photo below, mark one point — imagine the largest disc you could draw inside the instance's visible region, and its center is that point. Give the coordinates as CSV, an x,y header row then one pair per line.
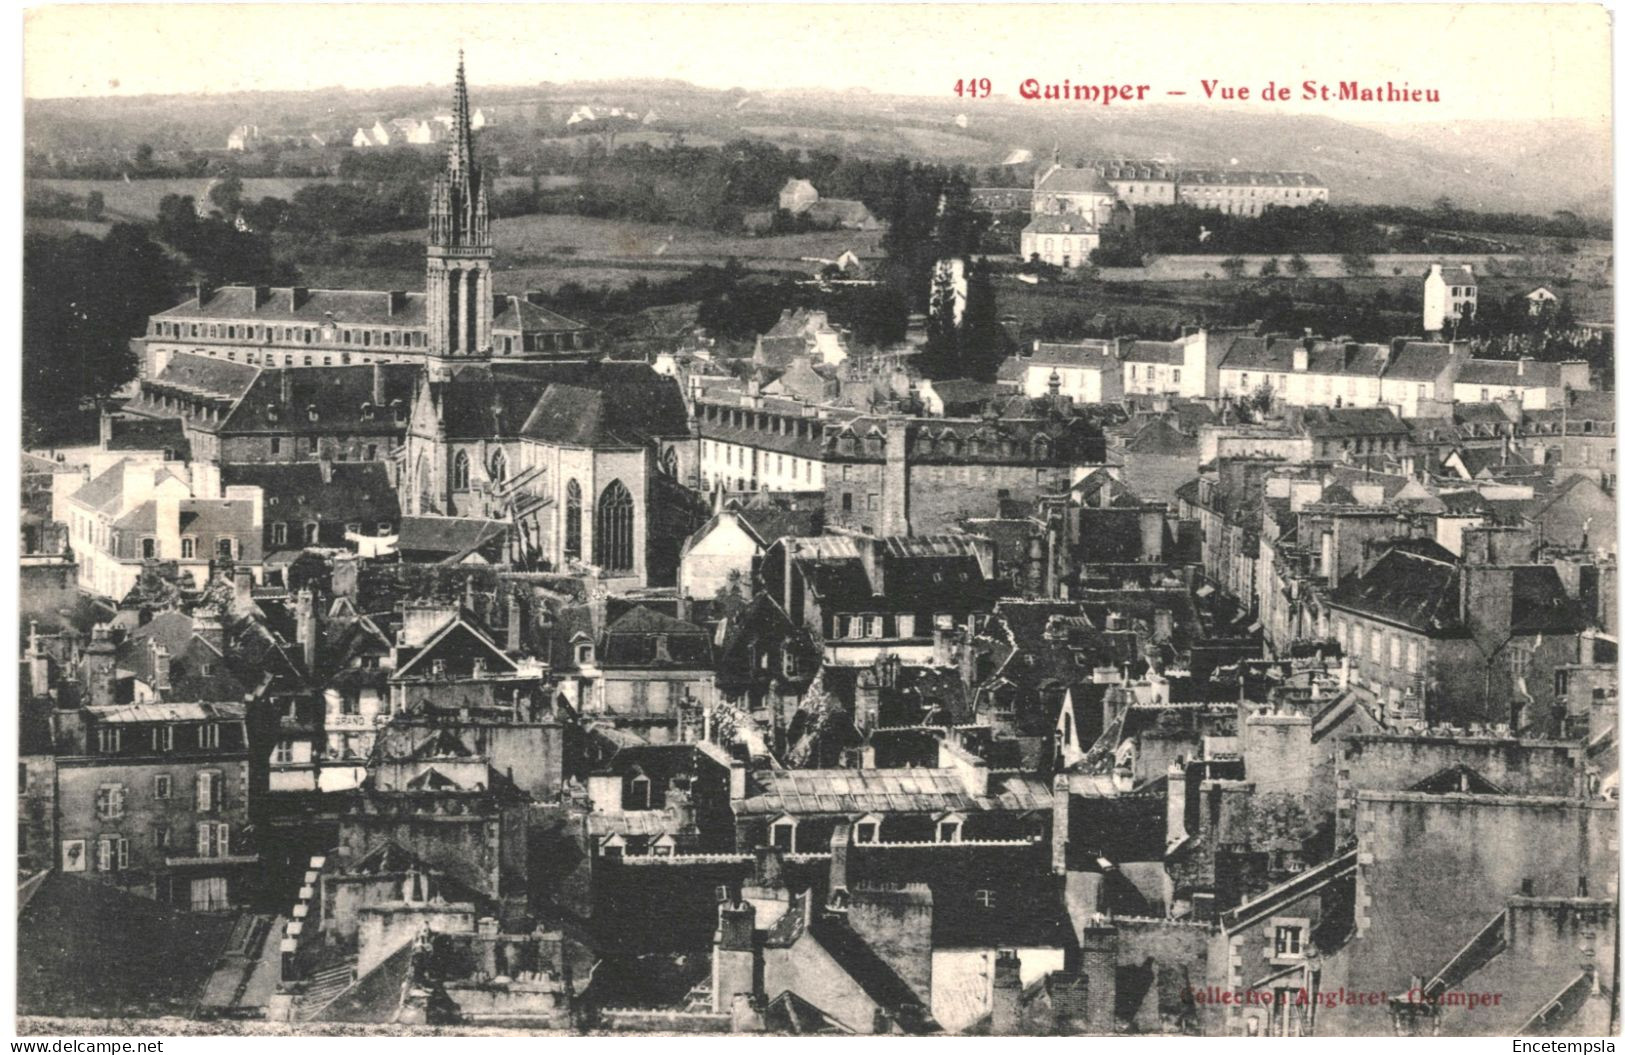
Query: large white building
x,y
1448,294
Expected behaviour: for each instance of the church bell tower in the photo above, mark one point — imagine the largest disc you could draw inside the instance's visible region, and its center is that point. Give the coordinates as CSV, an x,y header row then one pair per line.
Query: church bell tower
x,y
459,265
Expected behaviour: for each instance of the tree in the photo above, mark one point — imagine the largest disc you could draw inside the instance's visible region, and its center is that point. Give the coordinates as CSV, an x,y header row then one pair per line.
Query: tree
x,y
981,340
1233,266
227,195
82,300
1299,267
95,206
1358,263
1270,268
940,358
143,156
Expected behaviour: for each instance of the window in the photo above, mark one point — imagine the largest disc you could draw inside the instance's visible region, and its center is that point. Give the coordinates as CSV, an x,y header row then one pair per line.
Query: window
x,y
638,798
383,529
311,530
459,471
188,548
112,853
1288,941
149,548
985,898
867,830
612,532
163,738
950,828
109,741
572,519
110,802
163,787
160,837
283,755
279,534
499,466
784,835
208,735
22,778
846,502
276,444
213,839
208,792
225,548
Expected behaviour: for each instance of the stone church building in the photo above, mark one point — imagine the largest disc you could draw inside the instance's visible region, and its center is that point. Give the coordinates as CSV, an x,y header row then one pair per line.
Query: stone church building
x,y
583,455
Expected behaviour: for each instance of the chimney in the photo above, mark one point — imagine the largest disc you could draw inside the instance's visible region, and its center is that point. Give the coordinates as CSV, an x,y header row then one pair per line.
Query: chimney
x,y
516,628
346,574
106,428
262,297
1100,970
378,385
894,480
206,625
304,619
733,958
203,291
100,664
874,563
160,667
298,296
769,873
287,387
1162,625
840,847
397,302
325,462
242,582
1060,823
39,664
1175,823
1006,1017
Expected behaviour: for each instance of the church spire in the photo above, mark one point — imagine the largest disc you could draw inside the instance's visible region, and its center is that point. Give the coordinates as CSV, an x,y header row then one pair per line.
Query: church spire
x,y
460,153
459,253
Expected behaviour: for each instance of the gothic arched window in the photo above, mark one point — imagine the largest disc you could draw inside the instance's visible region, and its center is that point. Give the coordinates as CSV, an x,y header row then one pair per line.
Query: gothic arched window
x,y
668,462
499,466
572,519
612,529
459,471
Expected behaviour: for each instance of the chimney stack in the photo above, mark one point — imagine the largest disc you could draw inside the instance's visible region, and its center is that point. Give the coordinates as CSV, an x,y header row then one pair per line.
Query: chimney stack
x,y
304,616
287,387
1006,1016
516,627
160,667
378,384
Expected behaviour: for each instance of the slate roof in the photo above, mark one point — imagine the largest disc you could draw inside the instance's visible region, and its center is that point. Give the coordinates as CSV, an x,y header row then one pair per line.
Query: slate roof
x,y
773,521
629,414
150,434
361,492
1457,276
1065,223
1089,354
1333,422
1160,437
104,493
314,306
631,642
1170,353
336,392
806,792
1230,177
1061,180
86,948
447,536
1419,361
1506,372
205,374
1415,584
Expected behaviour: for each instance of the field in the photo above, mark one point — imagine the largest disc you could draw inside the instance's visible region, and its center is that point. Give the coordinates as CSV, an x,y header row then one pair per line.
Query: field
x,y
1590,261
543,252
138,199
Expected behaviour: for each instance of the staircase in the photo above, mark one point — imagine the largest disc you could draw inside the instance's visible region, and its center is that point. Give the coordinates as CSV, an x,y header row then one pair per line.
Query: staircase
x,y
325,986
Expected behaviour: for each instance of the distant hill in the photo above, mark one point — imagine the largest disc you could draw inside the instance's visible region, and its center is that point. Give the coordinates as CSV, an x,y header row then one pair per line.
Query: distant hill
x,y
1526,166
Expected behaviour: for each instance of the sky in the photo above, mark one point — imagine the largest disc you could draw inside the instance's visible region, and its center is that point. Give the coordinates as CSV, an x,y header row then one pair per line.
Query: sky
x,y
1489,61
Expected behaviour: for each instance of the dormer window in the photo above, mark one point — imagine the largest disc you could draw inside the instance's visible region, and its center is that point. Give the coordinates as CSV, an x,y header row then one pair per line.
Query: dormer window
x,y
950,829
366,412
784,834
583,655
312,413
638,793
867,831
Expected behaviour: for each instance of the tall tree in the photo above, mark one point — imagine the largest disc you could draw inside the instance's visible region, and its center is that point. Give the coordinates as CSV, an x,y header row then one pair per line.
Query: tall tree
x,y
981,340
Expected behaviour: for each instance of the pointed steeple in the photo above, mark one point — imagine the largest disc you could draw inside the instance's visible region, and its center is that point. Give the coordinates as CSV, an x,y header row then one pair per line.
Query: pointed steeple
x,y
460,151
